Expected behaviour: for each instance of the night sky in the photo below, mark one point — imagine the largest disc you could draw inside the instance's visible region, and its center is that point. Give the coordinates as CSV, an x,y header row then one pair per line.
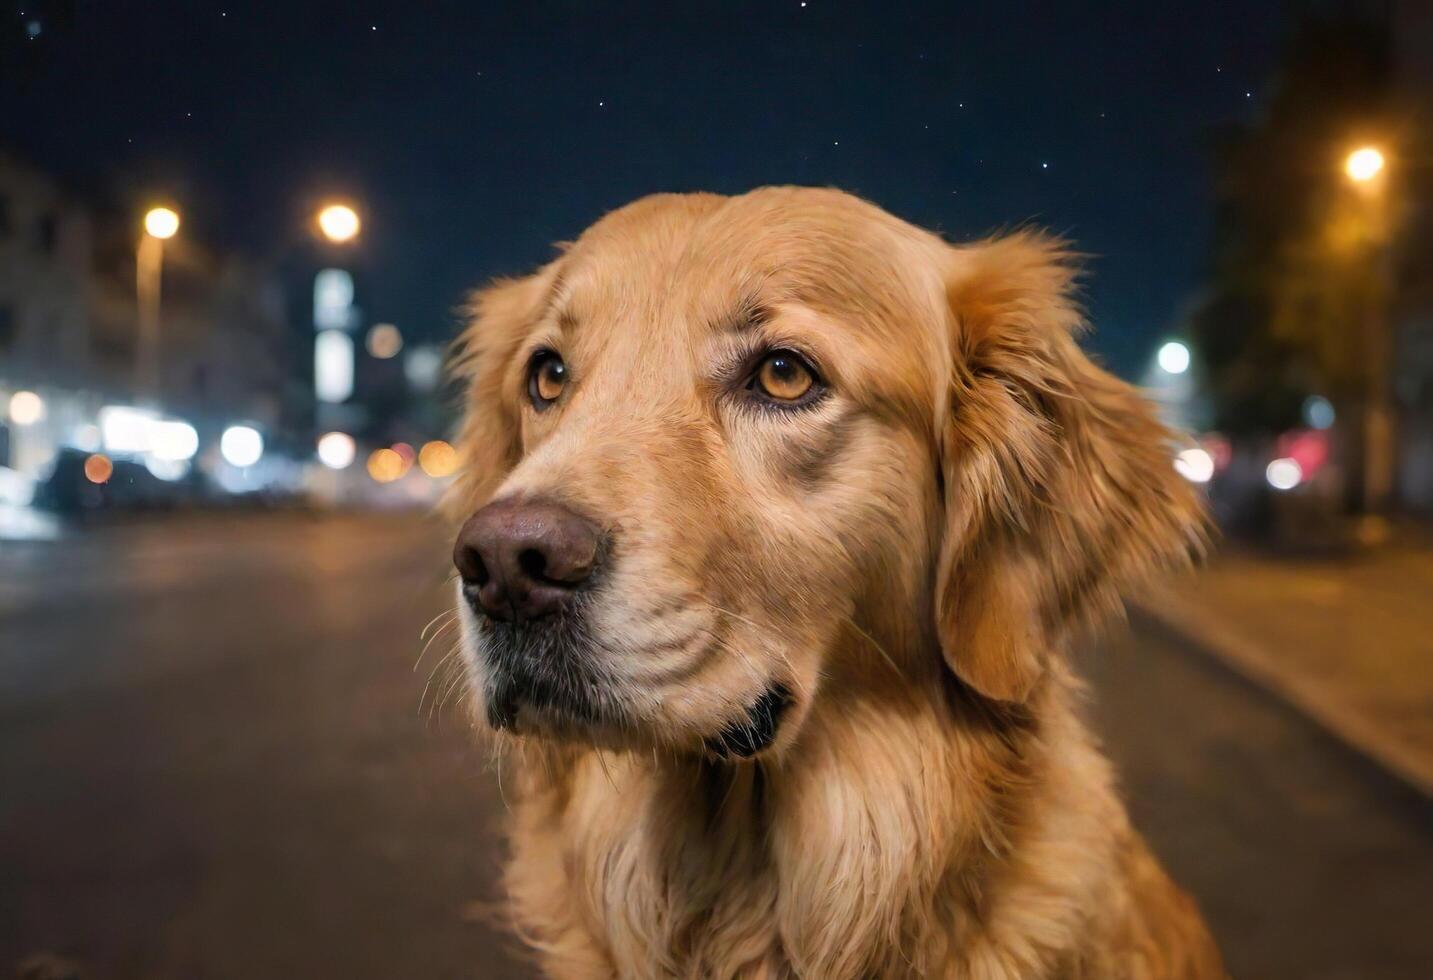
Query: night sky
x,y
473,135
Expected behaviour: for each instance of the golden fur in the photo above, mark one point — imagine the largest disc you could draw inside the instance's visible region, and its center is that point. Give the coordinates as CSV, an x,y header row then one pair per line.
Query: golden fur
x,y
910,557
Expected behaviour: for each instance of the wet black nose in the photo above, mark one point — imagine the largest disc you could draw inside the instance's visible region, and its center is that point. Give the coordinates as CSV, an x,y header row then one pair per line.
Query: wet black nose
x,y
524,559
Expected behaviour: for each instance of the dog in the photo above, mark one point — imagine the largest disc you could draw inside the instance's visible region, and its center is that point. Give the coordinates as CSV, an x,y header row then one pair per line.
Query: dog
x,y
779,515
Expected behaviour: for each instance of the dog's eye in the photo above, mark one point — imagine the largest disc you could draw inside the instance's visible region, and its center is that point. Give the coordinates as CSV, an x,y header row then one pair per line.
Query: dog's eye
x,y
546,377
784,376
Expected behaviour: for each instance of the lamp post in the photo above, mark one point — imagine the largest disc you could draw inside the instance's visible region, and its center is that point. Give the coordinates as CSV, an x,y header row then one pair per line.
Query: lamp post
x,y
159,224
333,360
1365,169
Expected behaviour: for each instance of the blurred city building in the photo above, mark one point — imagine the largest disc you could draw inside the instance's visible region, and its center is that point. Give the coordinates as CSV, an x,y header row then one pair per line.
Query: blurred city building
x,y
142,369
69,328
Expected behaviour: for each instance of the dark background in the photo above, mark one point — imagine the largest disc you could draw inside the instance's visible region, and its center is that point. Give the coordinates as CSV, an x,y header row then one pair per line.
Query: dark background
x,y
475,135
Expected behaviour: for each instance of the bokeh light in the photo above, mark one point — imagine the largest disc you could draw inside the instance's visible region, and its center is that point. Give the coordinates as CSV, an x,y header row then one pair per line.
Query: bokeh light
x,y
98,468
26,408
384,341
161,222
1319,412
241,445
1174,358
167,470
338,222
1364,164
87,438
1195,465
385,466
173,441
1284,473
336,450
438,459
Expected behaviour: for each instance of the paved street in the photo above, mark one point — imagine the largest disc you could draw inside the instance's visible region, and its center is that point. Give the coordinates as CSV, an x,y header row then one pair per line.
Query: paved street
x,y
1310,863
213,764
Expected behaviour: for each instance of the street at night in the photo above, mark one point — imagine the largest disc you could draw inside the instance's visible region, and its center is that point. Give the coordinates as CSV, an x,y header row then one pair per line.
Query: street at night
x,y
218,761
801,386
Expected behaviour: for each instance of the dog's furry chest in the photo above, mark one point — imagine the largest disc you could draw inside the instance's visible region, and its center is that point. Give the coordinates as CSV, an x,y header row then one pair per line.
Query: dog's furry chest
x,y
642,877
892,862
729,874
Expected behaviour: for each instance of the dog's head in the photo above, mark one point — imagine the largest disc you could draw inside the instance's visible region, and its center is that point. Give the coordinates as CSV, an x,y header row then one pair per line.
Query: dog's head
x,y
726,457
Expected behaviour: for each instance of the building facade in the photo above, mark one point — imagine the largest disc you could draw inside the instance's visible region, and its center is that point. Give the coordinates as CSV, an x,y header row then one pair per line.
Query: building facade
x,y
69,326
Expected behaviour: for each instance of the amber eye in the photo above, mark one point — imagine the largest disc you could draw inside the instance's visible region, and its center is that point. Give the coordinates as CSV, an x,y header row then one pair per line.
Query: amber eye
x,y
546,377
784,377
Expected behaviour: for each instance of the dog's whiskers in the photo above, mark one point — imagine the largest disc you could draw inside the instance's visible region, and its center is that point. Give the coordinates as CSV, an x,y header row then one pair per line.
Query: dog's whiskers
x,y
433,673
446,612
790,667
874,645
437,633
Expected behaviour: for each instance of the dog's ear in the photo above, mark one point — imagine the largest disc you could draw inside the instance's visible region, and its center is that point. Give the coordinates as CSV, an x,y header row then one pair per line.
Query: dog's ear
x,y
481,361
1058,481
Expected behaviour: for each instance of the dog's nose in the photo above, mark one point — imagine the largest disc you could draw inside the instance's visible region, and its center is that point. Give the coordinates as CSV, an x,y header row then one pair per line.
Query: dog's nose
x,y
524,559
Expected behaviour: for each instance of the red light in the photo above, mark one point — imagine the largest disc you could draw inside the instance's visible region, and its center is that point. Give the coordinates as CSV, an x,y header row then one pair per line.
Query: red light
x,y
1307,447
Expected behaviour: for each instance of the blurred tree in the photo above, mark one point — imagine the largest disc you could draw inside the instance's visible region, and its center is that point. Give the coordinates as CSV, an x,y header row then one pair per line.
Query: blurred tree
x,y
1297,278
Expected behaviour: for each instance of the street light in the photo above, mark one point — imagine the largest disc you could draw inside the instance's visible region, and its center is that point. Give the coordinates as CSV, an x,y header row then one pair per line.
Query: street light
x,y
1363,164
336,450
1364,167
384,341
159,224
1173,357
241,445
26,408
339,223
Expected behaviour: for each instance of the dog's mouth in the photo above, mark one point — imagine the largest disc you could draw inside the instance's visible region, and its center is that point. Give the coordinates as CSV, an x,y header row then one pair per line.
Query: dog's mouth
x,y
546,679
545,667
560,711
747,737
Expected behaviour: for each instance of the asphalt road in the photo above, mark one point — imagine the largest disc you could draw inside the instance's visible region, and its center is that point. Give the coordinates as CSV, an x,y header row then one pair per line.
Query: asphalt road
x,y
217,761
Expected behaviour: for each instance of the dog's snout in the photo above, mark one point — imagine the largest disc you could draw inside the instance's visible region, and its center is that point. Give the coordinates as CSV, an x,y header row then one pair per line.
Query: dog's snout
x,y
525,559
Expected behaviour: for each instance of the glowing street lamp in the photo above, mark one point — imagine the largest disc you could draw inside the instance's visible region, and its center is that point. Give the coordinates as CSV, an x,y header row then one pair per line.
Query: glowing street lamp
x,y
1173,357
160,224
26,408
336,450
1364,164
241,445
339,223
1365,168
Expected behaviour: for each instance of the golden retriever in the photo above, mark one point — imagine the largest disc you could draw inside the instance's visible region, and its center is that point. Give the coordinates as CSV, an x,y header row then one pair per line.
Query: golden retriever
x,y
780,516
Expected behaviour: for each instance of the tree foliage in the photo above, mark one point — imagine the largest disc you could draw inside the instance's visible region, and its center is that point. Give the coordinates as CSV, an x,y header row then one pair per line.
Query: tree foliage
x,y
1294,268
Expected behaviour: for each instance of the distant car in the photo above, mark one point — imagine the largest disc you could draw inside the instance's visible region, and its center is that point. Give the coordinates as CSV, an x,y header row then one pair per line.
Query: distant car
x,y
69,492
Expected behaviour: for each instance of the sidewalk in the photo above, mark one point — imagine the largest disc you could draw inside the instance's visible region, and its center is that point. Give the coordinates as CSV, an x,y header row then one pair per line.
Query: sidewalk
x,y
1347,641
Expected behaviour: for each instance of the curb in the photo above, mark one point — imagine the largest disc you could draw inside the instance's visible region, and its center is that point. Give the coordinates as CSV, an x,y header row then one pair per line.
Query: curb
x,y
1254,663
